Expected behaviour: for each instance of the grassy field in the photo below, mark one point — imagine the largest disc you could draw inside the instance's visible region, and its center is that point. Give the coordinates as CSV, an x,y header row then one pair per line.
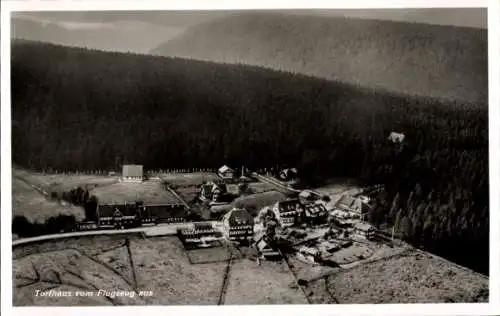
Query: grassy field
x,y
208,255
188,179
28,202
269,283
73,265
162,267
351,254
411,278
255,202
151,192
260,187
62,182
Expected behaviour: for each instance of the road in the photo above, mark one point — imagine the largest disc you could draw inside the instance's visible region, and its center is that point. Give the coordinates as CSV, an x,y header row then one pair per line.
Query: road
x,y
159,230
279,186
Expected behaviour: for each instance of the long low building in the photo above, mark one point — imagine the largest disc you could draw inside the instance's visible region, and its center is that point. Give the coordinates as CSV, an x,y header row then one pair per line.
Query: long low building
x,y
133,214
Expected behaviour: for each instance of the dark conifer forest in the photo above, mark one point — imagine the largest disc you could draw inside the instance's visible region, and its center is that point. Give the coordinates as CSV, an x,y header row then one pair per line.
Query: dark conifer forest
x,y
78,109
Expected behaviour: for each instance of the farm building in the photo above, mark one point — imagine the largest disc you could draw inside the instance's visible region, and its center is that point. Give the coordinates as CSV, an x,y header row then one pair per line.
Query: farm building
x,y
212,191
166,213
307,196
396,137
315,214
354,207
265,249
288,174
118,215
202,234
286,212
225,172
132,173
238,225
364,230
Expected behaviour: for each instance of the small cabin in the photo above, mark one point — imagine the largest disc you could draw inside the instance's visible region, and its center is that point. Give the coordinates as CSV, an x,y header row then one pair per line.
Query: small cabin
x,y
396,137
364,230
132,173
226,172
266,250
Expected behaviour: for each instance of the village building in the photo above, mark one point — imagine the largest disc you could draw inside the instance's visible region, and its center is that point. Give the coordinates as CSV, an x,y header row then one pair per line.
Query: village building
x,y
118,215
288,174
132,173
396,137
199,234
226,173
364,230
164,213
238,224
351,207
212,191
266,250
286,212
308,196
315,214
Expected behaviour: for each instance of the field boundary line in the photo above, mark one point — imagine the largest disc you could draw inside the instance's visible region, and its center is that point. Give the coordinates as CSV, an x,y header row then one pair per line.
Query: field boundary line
x,y
177,196
225,280
132,264
287,264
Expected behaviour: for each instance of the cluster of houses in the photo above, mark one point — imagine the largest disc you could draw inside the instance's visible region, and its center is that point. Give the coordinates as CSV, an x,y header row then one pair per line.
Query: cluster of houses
x,y
308,210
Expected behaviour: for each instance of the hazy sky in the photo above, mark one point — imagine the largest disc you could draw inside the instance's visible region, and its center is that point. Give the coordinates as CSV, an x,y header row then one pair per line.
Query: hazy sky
x,y
141,31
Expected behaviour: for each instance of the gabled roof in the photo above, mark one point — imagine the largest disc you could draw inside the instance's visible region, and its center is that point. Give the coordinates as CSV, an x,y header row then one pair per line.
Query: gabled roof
x,y
225,168
287,205
263,244
132,171
306,194
396,137
109,210
316,209
238,216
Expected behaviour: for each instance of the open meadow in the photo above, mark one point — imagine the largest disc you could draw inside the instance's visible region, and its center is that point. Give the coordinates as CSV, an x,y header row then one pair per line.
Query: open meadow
x,y
150,192
269,283
412,277
62,182
254,202
28,202
162,265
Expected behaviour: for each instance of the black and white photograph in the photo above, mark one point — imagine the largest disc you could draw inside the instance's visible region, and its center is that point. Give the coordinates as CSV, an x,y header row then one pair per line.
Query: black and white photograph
x,y
249,157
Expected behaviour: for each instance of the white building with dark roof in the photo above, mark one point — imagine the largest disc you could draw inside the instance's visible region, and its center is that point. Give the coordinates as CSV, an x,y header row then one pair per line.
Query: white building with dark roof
x,y
286,212
225,172
132,173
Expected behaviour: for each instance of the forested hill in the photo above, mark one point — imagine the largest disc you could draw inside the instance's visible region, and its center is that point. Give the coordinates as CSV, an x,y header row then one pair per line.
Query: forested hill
x,y
80,109
428,60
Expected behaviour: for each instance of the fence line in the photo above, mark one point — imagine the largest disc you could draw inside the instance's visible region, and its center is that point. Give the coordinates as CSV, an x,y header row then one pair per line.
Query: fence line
x,y
152,172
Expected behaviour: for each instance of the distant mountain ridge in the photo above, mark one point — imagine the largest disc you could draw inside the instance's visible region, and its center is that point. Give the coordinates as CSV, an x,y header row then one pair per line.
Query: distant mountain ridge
x,y
443,62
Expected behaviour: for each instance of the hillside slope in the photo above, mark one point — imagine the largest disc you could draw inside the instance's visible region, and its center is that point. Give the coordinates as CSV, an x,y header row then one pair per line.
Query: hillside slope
x,y
77,109
428,60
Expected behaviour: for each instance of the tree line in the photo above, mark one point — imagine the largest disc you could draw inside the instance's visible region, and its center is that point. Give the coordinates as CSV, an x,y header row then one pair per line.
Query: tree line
x,y
77,109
